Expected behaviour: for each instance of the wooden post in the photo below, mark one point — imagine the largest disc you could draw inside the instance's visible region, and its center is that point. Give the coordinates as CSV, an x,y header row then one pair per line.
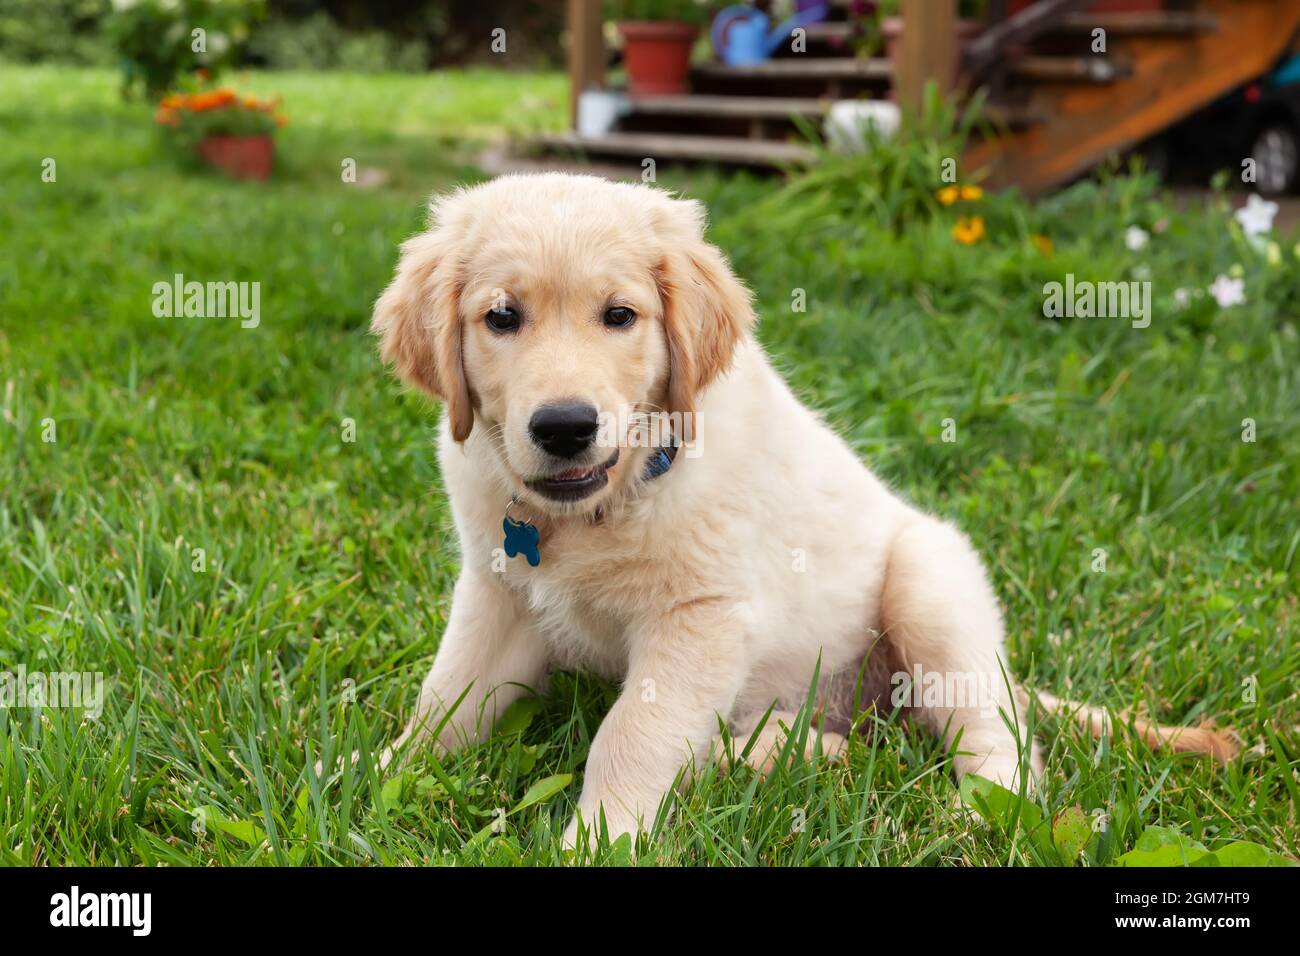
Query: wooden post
x,y
586,52
929,49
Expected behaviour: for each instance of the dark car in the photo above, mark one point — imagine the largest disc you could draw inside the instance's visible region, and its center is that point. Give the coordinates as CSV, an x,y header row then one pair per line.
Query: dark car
x,y
1259,122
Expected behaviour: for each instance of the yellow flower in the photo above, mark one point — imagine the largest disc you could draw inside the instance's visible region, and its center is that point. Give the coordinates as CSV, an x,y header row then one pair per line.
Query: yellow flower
x,y
971,194
948,195
1043,244
969,231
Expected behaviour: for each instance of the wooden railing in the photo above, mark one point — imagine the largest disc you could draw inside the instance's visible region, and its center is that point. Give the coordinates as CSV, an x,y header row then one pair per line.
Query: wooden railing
x,y
586,52
929,49
1003,35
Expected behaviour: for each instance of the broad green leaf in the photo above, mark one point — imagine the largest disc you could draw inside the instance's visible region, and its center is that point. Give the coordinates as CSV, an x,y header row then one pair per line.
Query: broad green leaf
x,y
620,851
543,790
1071,831
519,716
1163,846
524,756
392,790
1006,810
244,830
1250,854
430,787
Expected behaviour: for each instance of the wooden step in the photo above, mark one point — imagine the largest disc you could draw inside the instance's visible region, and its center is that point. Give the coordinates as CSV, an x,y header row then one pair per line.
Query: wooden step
x,y
829,30
1013,116
663,147
737,107
1149,23
1070,69
803,68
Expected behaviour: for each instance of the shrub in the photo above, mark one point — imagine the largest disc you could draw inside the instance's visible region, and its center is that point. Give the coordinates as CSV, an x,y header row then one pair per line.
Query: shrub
x,y
64,31
317,42
160,40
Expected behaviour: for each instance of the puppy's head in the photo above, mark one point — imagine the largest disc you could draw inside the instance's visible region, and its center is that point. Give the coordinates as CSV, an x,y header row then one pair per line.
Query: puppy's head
x,y
552,314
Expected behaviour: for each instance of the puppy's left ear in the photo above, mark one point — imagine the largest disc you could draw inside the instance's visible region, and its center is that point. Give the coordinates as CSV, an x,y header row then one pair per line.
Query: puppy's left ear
x,y
707,311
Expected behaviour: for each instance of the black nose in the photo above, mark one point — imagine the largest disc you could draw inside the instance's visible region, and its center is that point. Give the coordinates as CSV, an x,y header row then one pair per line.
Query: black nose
x,y
564,429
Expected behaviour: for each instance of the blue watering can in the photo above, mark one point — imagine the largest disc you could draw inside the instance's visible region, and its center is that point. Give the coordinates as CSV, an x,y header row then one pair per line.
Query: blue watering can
x,y
741,33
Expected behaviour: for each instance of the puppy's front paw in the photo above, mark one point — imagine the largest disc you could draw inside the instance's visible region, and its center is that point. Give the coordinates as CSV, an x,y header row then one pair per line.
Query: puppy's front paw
x,y
1002,769
616,826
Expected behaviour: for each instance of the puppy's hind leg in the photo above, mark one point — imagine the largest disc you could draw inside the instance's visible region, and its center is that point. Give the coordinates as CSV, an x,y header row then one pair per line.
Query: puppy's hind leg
x,y
944,627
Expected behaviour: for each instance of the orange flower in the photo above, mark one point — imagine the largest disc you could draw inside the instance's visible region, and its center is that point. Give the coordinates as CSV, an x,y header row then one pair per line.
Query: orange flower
x,y
951,194
1043,244
212,100
174,101
251,103
281,119
969,231
166,116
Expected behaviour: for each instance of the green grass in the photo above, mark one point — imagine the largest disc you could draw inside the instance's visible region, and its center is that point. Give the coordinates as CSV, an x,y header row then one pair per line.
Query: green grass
x,y
329,564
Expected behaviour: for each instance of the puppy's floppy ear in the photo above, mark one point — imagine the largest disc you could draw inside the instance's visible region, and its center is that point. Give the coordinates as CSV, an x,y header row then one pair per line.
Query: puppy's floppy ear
x,y
707,311
418,321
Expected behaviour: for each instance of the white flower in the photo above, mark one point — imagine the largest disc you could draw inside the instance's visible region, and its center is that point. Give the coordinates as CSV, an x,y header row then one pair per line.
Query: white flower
x,y
1256,216
1142,272
1182,297
1136,238
1228,292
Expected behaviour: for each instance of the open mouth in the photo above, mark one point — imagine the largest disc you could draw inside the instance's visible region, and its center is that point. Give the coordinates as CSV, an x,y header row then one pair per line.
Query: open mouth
x,y
574,484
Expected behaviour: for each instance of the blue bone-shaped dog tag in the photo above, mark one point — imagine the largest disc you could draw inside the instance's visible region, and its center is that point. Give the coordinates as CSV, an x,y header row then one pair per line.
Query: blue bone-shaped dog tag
x,y
522,538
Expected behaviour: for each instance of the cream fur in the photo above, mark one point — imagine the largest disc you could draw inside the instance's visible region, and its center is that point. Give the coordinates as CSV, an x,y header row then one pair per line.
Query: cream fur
x,y
711,592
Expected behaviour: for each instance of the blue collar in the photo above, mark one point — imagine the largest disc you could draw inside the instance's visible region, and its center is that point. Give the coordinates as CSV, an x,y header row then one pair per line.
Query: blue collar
x,y
659,463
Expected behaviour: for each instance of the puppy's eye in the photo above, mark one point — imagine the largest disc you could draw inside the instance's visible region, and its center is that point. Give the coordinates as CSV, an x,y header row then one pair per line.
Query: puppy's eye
x,y
619,317
502,320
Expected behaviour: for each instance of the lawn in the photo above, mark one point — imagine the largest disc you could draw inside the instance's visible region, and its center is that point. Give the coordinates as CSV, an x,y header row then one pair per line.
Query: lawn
x,y
242,528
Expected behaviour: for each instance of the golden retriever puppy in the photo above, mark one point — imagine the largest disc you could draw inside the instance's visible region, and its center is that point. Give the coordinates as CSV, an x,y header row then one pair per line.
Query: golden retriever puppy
x,y
638,493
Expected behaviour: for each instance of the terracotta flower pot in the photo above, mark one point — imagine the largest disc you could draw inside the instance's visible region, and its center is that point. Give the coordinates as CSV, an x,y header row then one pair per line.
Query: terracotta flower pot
x,y
241,157
658,56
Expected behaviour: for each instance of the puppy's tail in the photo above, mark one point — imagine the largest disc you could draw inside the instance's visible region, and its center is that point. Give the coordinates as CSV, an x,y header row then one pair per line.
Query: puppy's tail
x,y
1221,744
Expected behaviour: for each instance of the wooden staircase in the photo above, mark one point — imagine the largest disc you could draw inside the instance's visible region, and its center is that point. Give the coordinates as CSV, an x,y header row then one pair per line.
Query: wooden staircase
x,y
1173,63
1058,107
